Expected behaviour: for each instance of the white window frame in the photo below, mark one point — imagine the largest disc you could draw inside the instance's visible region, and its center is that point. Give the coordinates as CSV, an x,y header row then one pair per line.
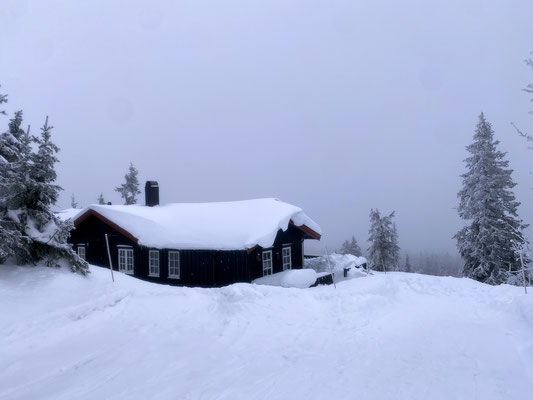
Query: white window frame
x,y
153,263
286,257
82,252
176,266
268,262
125,255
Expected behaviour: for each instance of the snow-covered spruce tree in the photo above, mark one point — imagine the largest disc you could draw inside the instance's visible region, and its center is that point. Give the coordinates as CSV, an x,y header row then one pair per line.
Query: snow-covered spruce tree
x,y
4,233
49,234
384,250
73,202
15,150
529,89
351,247
6,228
101,199
130,189
394,247
407,267
3,99
487,244
28,200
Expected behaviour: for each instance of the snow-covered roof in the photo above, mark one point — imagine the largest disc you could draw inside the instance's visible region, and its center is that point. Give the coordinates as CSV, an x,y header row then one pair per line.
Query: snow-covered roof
x,y
236,225
68,213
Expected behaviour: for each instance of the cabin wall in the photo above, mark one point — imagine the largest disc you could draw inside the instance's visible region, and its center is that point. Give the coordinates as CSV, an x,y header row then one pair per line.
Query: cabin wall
x,y
91,233
213,268
292,236
197,267
205,268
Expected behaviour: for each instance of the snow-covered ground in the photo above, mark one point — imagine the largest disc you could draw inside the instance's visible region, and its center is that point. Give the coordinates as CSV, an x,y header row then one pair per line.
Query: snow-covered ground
x,y
394,336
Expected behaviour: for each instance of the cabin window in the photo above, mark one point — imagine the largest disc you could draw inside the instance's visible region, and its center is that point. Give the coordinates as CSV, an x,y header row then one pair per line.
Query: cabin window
x,y
125,260
267,262
174,264
81,252
286,257
153,258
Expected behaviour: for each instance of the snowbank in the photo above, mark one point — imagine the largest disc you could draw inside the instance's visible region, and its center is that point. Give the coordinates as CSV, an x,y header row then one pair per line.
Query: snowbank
x,y
296,278
237,225
389,336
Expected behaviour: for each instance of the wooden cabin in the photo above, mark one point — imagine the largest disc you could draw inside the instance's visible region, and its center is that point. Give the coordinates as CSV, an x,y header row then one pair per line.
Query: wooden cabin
x,y
194,244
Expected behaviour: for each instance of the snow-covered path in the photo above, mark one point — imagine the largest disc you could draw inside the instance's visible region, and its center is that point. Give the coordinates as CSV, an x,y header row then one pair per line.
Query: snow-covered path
x,y
393,336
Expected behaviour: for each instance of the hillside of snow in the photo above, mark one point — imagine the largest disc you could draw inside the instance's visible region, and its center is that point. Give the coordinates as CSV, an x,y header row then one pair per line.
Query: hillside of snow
x,y
385,336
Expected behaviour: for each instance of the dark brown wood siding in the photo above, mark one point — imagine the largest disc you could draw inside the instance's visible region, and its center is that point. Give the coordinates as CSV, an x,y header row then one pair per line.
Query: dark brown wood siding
x,y
293,237
197,267
91,234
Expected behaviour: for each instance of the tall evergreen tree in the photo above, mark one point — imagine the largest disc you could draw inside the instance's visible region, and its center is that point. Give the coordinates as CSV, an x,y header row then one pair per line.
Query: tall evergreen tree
x,y
351,247
3,99
15,151
384,250
49,234
487,243
130,189
73,202
407,267
394,247
101,199
529,89
7,241
33,231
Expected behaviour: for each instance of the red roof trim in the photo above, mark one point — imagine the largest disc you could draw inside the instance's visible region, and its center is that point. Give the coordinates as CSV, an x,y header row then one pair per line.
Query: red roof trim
x,y
88,213
307,230
251,249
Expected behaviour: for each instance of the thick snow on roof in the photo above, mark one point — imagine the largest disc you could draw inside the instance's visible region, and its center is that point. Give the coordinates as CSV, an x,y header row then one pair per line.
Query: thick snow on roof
x,y
68,213
235,225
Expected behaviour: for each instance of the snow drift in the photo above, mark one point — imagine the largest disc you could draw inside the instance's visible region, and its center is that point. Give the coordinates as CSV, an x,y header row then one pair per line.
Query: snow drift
x,y
292,278
389,336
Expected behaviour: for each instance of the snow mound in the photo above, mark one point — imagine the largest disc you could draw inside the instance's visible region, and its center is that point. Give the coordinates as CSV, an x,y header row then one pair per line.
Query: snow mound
x,y
296,278
390,336
338,263
236,225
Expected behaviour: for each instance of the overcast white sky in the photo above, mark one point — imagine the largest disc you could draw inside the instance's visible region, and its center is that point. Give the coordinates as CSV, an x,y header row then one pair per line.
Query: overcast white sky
x,y
335,106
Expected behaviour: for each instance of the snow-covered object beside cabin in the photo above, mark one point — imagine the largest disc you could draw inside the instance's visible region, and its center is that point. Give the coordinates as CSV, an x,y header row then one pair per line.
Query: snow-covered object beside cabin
x,y
236,225
297,278
338,263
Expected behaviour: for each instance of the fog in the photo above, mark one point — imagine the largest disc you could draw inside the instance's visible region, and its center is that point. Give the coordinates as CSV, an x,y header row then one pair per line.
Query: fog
x,y
335,106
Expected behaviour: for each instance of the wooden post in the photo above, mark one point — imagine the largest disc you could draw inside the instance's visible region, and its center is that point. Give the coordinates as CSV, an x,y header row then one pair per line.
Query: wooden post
x,y
109,255
330,270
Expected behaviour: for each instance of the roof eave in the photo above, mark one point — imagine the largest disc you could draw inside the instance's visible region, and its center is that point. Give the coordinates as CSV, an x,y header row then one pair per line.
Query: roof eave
x,y
308,231
91,212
